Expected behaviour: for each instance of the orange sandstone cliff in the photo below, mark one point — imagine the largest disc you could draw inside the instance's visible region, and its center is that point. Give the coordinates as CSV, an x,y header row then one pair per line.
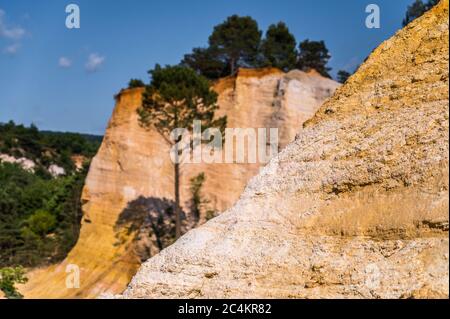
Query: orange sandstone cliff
x,y
134,164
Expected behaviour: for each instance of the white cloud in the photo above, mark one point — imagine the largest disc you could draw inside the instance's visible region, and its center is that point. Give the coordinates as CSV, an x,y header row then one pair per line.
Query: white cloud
x,y
12,49
64,62
10,33
13,33
94,62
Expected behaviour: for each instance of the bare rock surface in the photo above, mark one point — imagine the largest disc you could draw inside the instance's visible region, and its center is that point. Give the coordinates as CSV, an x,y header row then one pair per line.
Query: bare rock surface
x,y
356,207
23,162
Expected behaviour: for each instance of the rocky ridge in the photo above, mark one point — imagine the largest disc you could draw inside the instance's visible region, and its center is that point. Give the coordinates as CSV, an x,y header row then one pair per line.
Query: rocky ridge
x,y
356,207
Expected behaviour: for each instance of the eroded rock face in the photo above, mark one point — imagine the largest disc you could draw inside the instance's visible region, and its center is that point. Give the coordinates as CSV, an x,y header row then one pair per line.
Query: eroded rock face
x,y
132,168
356,207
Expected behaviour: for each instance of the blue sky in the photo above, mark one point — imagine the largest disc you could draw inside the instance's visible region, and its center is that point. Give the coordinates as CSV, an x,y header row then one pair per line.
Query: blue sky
x,y
65,80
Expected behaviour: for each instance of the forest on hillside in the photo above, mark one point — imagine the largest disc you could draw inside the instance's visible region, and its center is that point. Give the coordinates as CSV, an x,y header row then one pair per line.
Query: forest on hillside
x,y
39,213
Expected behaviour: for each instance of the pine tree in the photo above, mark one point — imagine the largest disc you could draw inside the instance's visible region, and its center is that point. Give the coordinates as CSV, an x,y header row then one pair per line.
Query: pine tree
x,y
279,47
342,76
417,9
314,55
237,41
175,98
9,277
135,83
207,62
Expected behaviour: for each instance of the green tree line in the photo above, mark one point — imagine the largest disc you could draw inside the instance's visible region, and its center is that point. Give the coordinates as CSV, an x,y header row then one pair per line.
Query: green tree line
x,y
39,215
238,42
417,9
46,148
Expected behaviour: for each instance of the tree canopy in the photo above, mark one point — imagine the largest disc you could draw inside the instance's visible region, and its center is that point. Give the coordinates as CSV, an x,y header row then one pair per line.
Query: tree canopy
x,y
342,76
46,148
40,214
136,83
39,217
279,47
237,41
176,97
9,277
207,62
417,9
314,55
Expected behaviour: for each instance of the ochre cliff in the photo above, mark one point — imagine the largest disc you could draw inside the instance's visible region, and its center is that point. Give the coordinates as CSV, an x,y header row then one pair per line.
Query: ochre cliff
x,y
133,164
356,207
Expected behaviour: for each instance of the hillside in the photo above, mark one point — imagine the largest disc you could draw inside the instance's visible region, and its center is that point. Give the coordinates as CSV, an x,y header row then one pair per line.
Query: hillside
x,y
41,178
132,175
38,151
356,207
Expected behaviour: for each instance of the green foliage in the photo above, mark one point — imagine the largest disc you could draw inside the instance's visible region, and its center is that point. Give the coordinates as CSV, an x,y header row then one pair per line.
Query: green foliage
x,y
314,55
136,83
237,40
40,223
342,76
9,277
237,43
175,98
233,43
207,62
46,148
279,47
417,9
39,217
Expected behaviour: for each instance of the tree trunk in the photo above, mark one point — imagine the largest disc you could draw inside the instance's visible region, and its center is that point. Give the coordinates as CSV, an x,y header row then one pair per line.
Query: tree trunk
x,y
233,66
177,209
